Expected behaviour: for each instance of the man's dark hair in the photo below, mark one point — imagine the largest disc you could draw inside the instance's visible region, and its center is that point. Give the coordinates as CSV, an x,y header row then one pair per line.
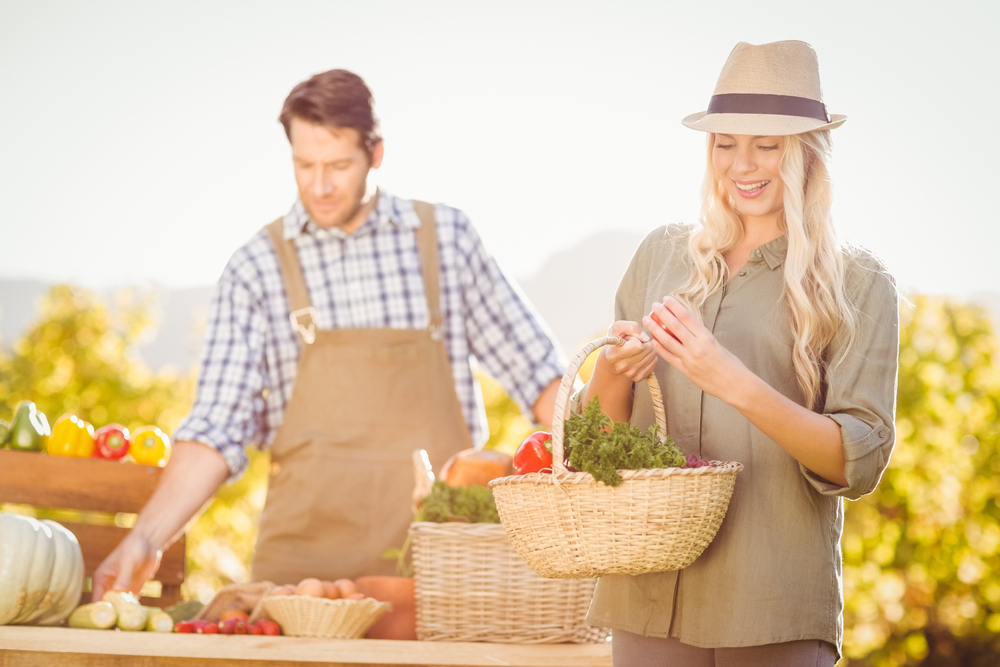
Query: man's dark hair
x,y
337,98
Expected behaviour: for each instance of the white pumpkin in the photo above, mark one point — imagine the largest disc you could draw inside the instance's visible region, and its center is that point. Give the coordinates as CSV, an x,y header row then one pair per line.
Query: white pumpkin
x,y
41,571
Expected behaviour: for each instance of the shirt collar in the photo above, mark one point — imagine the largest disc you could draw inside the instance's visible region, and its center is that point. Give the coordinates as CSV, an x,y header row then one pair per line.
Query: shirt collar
x,y
389,210
773,252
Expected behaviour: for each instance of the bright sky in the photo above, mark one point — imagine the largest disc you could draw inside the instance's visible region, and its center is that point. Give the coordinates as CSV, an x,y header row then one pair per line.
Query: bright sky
x,y
139,141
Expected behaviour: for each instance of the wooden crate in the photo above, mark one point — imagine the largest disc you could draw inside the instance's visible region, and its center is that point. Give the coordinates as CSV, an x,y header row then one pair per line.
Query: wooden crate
x,y
91,485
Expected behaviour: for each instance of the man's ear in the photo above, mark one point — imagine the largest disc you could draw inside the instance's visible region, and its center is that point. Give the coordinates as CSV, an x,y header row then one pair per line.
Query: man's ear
x,y
377,154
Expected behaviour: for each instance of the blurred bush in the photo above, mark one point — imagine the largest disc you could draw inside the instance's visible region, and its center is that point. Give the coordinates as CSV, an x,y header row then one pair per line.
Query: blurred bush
x,y
81,356
922,553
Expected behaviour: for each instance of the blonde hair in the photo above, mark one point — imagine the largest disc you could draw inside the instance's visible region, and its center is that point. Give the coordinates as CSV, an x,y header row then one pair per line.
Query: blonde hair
x,y
813,267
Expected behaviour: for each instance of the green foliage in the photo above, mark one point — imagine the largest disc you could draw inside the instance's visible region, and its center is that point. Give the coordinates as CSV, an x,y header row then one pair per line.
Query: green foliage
x,y
922,553
595,445
474,504
80,357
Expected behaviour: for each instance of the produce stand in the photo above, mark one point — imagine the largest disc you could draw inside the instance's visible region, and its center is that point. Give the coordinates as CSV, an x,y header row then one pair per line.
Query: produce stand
x,y
89,486
22,646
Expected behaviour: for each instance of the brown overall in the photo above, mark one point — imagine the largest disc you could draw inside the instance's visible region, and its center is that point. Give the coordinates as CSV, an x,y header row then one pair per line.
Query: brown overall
x,y
364,400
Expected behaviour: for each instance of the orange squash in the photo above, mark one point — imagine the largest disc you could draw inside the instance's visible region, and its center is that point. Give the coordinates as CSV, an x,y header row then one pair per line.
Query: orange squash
x,y
471,467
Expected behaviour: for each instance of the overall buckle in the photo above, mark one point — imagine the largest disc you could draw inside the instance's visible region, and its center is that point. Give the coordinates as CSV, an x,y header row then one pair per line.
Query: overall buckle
x,y
308,331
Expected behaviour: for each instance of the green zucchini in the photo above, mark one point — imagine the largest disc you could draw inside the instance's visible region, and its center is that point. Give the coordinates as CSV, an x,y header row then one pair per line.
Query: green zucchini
x,y
93,616
131,614
158,620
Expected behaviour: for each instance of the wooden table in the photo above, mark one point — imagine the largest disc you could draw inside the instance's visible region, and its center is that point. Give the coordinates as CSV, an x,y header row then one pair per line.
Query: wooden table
x,y
22,646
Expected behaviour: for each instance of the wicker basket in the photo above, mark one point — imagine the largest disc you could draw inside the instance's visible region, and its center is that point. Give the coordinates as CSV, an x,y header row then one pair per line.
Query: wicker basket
x,y
305,616
568,525
472,587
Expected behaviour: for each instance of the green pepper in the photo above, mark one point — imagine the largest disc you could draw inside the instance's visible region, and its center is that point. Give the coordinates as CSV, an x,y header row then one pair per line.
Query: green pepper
x,y
29,432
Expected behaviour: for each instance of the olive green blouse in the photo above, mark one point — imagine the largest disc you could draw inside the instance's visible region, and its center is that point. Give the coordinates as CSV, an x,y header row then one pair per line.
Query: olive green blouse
x,y
773,572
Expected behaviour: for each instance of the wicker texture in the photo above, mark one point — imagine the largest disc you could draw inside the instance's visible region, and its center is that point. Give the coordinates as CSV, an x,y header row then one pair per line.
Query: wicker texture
x,y
472,587
567,525
305,616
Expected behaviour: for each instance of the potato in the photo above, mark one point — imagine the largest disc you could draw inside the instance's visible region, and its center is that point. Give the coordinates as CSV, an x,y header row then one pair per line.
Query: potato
x,y
310,586
330,590
346,587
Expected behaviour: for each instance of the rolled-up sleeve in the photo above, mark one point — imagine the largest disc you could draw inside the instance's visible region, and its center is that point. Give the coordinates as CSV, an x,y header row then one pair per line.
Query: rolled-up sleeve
x,y
228,410
861,388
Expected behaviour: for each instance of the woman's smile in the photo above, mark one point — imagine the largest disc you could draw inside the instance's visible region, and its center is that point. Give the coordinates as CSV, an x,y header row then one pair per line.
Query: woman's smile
x,y
750,189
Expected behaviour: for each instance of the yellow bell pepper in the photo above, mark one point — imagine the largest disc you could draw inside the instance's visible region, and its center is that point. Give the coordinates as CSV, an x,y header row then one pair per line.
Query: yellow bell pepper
x,y
150,446
71,436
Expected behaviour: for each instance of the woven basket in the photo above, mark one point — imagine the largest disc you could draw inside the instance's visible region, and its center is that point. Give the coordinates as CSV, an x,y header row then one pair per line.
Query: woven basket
x,y
306,616
568,525
472,587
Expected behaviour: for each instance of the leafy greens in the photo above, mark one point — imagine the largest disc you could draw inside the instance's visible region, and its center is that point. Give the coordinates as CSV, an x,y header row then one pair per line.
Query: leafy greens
x,y
592,447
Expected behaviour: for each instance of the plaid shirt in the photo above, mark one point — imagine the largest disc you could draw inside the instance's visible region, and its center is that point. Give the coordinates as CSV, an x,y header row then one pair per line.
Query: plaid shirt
x,y
368,279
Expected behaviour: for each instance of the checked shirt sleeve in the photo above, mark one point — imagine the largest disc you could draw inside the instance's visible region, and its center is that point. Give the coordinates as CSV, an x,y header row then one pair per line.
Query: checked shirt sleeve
x,y
228,411
504,332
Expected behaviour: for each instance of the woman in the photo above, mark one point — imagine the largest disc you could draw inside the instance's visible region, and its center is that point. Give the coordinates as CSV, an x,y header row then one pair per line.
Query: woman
x,y
775,347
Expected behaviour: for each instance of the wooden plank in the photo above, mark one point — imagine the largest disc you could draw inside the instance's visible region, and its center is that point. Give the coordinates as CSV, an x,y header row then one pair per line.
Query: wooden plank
x,y
96,542
34,478
100,648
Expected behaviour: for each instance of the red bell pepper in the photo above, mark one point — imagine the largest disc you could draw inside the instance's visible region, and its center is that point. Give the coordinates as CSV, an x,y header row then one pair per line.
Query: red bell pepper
x,y
111,442
534,454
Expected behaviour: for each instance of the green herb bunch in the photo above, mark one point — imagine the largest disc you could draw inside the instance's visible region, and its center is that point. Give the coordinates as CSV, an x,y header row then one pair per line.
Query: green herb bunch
x,y
474,504
591,447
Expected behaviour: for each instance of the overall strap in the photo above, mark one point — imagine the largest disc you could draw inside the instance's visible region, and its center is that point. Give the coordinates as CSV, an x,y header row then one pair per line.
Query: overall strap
x,y
427,245
302,315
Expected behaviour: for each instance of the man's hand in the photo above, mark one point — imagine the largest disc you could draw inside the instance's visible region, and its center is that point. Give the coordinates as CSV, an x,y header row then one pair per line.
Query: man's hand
x,y
133,562
190,480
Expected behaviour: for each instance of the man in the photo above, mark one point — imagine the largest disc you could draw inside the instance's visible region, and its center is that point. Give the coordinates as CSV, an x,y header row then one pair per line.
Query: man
x,y
340,334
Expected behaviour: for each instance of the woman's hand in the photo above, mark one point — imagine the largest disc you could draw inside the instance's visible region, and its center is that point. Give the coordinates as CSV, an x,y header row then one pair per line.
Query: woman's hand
x,y
687,345
636,359
618,368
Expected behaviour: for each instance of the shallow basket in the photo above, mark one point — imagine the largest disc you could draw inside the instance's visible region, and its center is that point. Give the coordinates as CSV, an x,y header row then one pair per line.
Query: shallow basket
x,y
306,616
472,587
567,525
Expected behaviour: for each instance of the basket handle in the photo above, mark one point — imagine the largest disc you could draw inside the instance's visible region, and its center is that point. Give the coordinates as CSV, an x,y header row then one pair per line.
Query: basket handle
x,y
567,385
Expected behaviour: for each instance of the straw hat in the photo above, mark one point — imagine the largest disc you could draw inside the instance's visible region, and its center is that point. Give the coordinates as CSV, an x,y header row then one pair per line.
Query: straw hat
x,y
770,89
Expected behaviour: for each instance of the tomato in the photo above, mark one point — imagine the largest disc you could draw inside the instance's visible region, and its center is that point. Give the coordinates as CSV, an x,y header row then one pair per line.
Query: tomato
x,y
534,454
234,613
112,442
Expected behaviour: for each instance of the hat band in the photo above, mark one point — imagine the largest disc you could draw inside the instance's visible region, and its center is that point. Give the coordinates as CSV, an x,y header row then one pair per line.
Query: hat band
x,y
783,105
